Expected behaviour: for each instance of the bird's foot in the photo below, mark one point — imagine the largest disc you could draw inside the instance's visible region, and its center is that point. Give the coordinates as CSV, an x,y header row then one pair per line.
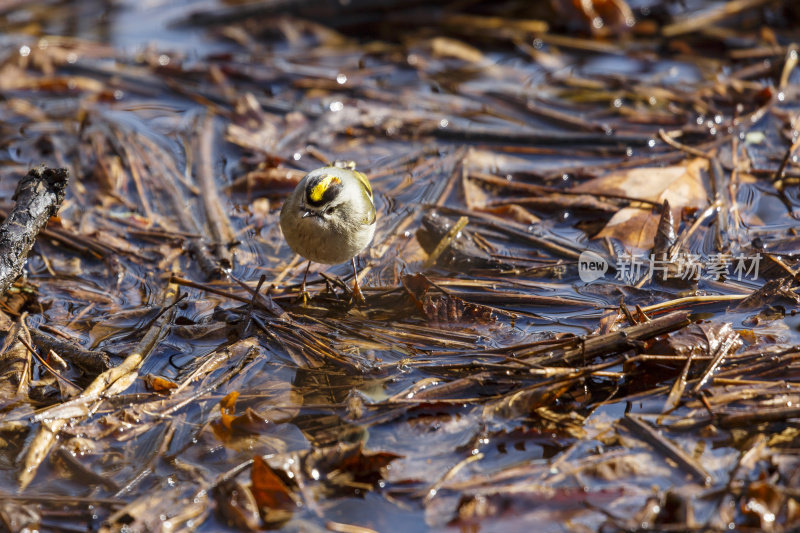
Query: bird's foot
x,y
358,296
304,297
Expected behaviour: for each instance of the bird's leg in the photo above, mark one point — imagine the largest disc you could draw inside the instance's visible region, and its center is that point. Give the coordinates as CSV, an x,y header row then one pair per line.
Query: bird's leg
x,y
303,292
358,296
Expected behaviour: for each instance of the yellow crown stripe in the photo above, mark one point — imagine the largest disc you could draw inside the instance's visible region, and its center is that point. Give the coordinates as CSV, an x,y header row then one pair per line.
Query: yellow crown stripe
x,y
320,188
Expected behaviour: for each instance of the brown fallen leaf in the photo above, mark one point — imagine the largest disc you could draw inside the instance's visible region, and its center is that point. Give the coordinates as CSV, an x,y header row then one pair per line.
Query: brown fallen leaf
x,y
229,425
525,506
273,497
249,422
760,504
236,504
346,469
227,407
159,384
680,185
676,507
444,309
5,322
699,339
600,17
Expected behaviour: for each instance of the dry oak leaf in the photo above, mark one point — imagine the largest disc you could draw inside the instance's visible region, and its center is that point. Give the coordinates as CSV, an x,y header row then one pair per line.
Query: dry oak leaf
x,y
682,185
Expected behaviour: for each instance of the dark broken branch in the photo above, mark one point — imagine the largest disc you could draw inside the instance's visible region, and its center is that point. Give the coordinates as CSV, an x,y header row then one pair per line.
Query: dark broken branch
x,y
91,361
38,196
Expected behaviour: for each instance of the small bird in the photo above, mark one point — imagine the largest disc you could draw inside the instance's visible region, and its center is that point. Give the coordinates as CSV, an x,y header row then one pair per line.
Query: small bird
x,y
330,218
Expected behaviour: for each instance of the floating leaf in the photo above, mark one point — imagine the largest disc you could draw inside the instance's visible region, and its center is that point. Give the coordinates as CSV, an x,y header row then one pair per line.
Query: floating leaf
x,y
236,504
444,309
347,467
227,407
680,185
273,497
159,384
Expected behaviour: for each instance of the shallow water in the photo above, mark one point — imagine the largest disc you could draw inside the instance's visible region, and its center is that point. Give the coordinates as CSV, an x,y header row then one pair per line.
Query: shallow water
x,y
441,371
